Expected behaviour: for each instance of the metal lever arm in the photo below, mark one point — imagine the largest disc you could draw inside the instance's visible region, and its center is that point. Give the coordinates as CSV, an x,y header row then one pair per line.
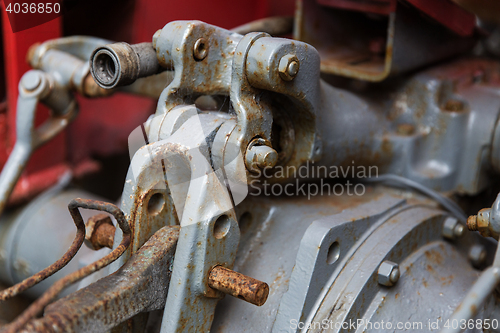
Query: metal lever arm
x,y
35,87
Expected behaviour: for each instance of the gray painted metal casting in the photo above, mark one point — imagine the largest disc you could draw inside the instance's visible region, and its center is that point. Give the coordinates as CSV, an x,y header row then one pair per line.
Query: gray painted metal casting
x,y
392,254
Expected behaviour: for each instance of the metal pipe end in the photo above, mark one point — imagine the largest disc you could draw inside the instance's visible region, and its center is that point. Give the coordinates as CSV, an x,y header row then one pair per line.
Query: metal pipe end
x,y
238,285
114,65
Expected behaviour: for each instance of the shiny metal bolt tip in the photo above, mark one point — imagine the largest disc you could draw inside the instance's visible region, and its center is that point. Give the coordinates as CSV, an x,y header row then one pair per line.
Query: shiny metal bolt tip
x,y
261,157
288,67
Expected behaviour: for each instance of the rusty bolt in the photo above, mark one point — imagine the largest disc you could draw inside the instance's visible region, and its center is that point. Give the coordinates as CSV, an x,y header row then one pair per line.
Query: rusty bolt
x,y
477,255
238,285
99,232
452,229
481,223
288,67
200,49
472,223
388,273
260,157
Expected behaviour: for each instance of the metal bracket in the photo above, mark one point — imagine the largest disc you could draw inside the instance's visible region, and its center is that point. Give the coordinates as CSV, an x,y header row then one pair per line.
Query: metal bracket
x,y
322,249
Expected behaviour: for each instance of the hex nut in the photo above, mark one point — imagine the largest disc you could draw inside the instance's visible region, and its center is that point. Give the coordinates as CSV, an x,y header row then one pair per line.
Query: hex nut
x,y
477,255
388,273
452,229
288,67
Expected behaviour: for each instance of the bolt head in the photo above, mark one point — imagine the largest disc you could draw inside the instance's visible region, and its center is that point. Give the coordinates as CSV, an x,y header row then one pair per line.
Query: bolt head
x,y
261,157
388,273
200,49
288,67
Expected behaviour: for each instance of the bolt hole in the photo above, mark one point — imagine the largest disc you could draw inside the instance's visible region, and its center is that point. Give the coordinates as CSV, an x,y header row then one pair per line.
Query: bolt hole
x,y
109,66
155,204
333,253
200,49
221,226
206,103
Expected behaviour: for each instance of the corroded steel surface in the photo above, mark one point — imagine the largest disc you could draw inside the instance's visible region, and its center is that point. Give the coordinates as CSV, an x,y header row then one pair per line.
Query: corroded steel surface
x,y
114,299
238,285
53,291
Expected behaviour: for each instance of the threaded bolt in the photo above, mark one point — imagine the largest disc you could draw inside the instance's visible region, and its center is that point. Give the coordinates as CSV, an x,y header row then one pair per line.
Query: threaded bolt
x,y
472,223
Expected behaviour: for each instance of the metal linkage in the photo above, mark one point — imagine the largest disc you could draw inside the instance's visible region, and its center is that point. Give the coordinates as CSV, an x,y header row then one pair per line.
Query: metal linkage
x,y
140,285
36,307
35,86
61,67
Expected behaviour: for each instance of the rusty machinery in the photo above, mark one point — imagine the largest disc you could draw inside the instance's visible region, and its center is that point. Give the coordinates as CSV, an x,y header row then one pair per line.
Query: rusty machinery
x,y
212,204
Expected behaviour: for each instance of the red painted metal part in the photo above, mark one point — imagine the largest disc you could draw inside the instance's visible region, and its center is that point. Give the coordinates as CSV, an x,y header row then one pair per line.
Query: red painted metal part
x,y
103,125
